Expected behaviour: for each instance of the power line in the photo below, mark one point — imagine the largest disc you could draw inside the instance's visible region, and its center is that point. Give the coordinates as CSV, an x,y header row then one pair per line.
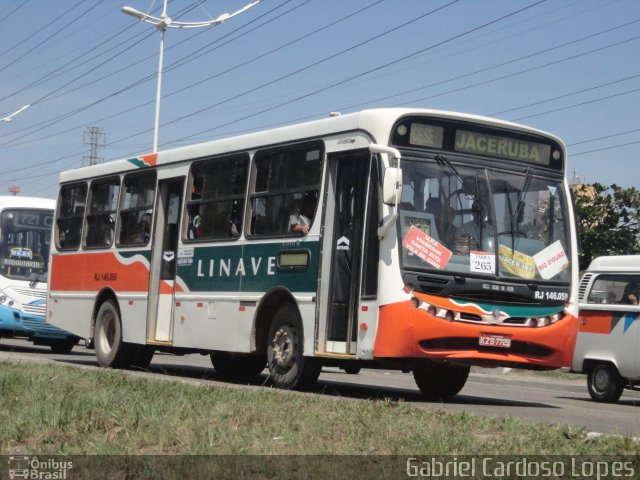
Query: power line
x,y
559,109
604,138
8,15
50,122
605,148
56,32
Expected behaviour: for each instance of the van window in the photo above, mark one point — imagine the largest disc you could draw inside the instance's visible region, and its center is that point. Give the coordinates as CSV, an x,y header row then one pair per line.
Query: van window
x,y
615,290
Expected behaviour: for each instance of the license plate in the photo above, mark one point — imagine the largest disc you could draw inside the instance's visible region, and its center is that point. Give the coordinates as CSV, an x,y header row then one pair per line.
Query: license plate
x,y
491,340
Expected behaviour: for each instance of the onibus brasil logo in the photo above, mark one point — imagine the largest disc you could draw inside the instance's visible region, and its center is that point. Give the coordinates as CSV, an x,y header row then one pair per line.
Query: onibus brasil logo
x,y
34,468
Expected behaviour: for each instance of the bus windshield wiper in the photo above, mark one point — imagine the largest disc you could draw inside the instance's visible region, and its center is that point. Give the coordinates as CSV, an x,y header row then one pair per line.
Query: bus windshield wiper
x,y
521,194
35,278
443,161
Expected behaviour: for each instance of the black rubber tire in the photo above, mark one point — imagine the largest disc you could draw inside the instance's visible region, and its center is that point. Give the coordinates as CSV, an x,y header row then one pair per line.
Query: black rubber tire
x,y
439,381
63,346
351,370
140,356
605,383
289,369
238,366
111,351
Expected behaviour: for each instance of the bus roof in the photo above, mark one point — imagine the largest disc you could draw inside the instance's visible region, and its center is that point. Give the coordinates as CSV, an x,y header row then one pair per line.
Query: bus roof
x,y
377,122
10,201
615,263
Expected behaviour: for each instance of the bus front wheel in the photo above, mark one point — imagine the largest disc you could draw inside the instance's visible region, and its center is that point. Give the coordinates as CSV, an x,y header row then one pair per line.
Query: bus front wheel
x,y
288,367
111,351
605,383
439,381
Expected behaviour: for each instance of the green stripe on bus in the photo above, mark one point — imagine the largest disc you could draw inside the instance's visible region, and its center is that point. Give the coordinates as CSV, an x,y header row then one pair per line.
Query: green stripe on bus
x,y
245,268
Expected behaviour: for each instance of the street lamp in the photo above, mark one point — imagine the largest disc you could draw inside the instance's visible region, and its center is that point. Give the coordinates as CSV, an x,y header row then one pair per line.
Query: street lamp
x,y
8,118
162,24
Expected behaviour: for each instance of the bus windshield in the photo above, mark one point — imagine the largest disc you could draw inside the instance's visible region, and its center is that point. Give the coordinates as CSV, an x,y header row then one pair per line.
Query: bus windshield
x,y
483,221
24,243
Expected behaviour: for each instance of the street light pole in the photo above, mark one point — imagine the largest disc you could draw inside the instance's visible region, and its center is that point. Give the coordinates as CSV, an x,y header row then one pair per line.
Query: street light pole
x,y
162,24
8,118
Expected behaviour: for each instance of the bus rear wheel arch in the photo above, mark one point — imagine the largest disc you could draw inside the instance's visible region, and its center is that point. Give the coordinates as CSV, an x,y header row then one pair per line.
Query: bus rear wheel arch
x,y
440,381
288,367
604,382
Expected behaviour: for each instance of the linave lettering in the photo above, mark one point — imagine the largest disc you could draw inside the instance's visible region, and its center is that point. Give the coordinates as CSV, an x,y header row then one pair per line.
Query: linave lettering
x,y
236,267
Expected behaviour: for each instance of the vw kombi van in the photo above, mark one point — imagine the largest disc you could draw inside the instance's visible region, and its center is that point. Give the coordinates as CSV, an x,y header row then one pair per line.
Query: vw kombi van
x,y
609,331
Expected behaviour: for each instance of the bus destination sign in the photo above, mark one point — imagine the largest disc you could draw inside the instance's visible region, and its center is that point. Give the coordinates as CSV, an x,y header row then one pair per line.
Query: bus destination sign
x,y
424,135
503,147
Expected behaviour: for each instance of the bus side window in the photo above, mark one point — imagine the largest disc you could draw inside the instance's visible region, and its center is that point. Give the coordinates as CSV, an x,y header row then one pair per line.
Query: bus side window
x,y
101,217
71,206
216,205
286,188
136,208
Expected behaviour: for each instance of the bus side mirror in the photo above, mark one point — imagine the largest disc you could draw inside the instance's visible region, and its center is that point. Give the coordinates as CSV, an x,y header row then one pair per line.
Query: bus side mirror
x,y
392,186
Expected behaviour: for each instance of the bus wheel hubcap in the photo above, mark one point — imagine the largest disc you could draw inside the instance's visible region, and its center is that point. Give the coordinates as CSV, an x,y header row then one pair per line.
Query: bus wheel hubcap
x,y
601,380
108,333
283,347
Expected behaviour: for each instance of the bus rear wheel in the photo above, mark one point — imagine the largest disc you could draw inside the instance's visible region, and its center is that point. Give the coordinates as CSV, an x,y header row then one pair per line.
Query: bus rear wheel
x,y
605,383
440,381
288,368
111,351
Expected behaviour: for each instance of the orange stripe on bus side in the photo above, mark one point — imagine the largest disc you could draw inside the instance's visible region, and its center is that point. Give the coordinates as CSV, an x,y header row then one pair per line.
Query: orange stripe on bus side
x,y
93,271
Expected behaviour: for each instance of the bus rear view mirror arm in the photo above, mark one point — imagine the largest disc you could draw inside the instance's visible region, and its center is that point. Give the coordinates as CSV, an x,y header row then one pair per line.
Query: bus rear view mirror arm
x,y
391,186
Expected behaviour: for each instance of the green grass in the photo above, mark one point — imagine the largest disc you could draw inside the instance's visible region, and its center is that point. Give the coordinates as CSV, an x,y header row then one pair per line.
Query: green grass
x,y
50,409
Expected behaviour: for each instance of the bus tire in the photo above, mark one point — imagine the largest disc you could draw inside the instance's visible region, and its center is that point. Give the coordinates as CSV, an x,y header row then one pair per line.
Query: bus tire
x,y
605,383
238,366
289,369
63,346
439,381
351,370
140,356
111,351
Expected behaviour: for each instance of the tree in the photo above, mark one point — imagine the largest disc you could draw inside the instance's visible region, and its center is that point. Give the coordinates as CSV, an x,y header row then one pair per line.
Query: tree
x,y
608,221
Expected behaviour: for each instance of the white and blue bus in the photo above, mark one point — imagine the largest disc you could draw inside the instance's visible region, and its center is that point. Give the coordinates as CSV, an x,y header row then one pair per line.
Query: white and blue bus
x,y
420,240
25,238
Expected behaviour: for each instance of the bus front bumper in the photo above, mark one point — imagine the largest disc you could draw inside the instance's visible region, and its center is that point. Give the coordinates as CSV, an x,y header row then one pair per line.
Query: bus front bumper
x,y
15,323
405,331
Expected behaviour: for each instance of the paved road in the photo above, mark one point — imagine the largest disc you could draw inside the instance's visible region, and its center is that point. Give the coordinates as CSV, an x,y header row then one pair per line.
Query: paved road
x,y
530,398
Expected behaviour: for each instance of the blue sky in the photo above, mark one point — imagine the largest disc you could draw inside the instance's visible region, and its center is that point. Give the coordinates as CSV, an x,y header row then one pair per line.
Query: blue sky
x,y
565,66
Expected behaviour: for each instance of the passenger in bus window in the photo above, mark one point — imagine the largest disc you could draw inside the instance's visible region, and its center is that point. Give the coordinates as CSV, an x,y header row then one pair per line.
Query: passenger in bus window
x,y
194,227
631,294
144,229
300,222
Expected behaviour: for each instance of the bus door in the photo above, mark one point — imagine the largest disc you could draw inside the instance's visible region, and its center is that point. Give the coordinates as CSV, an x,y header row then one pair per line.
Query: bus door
x,y
163,260
344,220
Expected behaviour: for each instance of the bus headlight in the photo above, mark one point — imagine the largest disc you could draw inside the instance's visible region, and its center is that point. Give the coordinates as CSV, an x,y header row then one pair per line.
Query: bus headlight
x,y
7,301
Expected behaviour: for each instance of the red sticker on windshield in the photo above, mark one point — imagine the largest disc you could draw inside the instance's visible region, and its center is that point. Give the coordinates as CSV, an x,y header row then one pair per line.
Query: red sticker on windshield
x,y
426,248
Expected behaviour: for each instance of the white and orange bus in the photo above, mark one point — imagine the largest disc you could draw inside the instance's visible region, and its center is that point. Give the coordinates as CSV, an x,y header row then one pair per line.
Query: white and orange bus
x,y
419,240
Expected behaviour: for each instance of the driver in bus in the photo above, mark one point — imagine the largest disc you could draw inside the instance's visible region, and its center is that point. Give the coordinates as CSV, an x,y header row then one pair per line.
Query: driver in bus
x,y
470,235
